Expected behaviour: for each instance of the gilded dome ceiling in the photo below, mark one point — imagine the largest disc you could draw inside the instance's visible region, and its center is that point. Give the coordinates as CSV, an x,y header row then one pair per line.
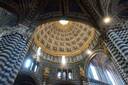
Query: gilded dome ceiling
x,y
69,40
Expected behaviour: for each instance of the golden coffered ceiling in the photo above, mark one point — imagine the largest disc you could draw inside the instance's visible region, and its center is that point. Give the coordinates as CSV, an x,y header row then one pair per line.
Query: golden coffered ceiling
x,y
69,40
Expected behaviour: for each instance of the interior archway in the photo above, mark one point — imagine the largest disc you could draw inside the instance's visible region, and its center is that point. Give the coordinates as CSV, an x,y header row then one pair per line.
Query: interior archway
x,y
103,70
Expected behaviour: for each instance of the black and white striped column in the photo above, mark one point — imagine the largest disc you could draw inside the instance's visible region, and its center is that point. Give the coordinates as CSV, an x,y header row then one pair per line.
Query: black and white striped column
x,y
119,50
13,48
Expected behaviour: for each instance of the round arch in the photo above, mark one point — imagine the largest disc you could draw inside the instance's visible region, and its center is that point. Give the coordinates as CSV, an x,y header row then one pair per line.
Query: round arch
x,y
102,69
91,57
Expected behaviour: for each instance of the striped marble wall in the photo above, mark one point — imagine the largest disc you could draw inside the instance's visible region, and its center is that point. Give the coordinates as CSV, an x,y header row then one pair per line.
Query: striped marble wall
x,y
13,48
117,44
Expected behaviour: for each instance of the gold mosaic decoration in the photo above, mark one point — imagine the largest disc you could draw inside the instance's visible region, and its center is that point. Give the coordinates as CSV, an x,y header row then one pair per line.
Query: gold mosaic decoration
x,y
68,40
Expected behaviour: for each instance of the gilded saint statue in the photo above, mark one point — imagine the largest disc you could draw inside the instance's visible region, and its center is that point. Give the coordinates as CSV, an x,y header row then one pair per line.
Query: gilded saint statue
x,y
81,72
46,72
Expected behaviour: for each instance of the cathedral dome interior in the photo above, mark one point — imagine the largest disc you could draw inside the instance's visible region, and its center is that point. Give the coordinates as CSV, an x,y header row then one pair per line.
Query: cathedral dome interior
x,y
57,39
63,42
69,40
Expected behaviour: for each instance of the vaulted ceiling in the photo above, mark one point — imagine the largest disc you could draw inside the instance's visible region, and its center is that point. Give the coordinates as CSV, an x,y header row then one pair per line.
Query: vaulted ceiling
x,y
90,11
